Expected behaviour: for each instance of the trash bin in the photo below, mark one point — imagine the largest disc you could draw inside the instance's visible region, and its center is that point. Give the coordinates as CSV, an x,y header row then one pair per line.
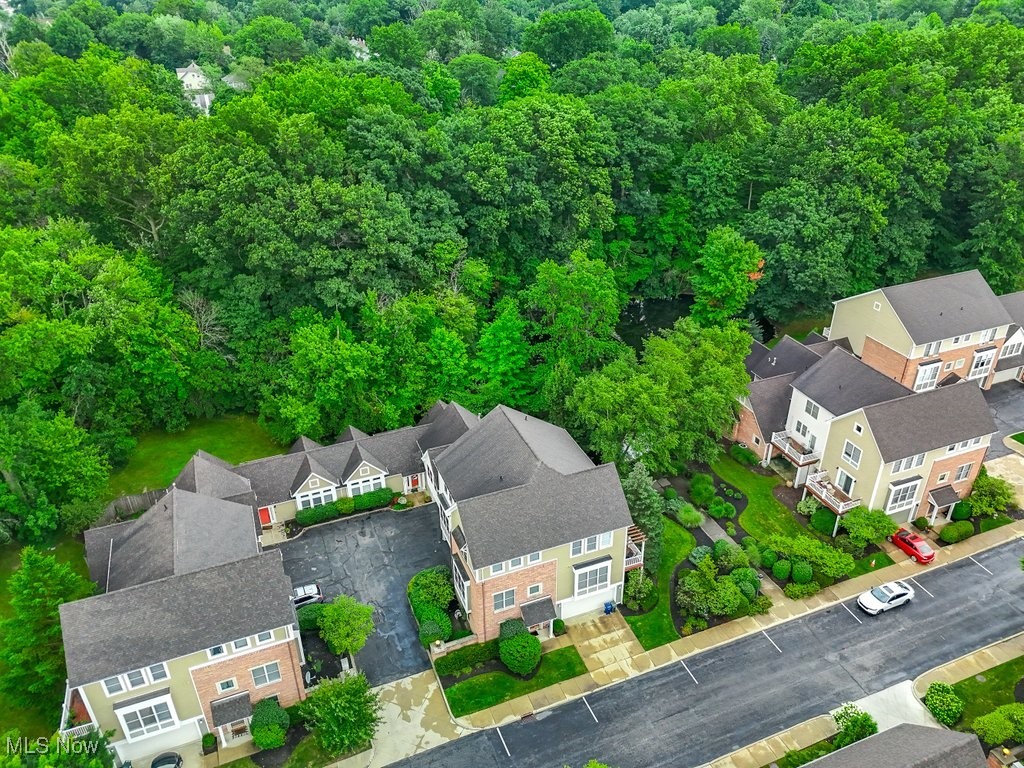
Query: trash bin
x,y
609,607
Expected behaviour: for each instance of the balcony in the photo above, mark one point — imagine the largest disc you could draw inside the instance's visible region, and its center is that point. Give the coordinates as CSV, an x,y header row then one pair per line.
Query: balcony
x,y
635,539
833,497
76,715
793,450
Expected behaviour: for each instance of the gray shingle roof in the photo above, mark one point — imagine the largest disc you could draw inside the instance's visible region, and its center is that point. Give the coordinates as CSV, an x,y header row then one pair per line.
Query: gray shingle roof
x,y
350,434
538,611
946,306
181,533
448,422
788,356
164,619
1013,303
769,400
928,420
311,466
825,346
208,475
840,383
360,454
303,444
231,708
909,746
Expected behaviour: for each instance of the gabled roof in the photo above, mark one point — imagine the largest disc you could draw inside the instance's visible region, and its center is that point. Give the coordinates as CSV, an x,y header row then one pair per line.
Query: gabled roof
x,y
925,421
840,383
182,533
446,423
909,746
788,356
174,616
303,444
1013,303
769,400
310,466
946,306
210,476
231,709
360,455
350,434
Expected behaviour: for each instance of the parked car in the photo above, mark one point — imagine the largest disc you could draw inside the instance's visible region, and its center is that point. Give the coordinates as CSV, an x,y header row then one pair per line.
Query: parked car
x,y
885,596
307,594
166,760
913,545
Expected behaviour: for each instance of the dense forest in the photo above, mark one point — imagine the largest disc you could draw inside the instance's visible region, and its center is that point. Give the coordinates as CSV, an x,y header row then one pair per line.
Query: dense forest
x,y
392,202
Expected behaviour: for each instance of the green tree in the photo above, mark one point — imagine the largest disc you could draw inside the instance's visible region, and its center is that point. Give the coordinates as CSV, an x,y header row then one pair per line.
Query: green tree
x,y
270,39
725,276
525,75
397,43
867,526
478,76
344,714
563,36
501,363
854,724
32,671
89,751
69,36
445,34
345,624
729,40
647,509
991,495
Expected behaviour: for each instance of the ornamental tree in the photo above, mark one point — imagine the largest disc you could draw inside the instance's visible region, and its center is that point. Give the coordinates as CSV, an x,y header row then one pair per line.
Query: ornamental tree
x,y
345,624
344,714
867,526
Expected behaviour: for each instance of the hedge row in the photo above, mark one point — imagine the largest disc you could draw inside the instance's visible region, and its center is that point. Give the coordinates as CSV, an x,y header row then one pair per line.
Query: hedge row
x,y
324,512
467,657
951,533
374,499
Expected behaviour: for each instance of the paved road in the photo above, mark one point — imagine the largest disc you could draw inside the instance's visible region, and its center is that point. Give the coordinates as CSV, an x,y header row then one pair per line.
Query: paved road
x,y
1006,401
372,558
748,690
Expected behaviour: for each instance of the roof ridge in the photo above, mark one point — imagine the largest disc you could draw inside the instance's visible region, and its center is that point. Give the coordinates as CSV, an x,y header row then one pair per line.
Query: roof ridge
x,y
946,276
916,394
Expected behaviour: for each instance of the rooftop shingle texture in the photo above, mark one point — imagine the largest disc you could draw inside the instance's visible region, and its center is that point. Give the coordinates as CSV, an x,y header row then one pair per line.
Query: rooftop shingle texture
x,y
231,708
788,356
840,383
909,746
310,465
949,305
448,422
360,455
182,533
303,444
210,476
769,400
164,619
350,434
929,420
1013,303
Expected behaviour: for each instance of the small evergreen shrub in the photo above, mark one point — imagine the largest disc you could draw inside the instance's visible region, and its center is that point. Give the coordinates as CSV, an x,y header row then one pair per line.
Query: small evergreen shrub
x,y
431,587
993,728
435,624
944,704
962,510
823,521
309,617
760,605
768,558
374,499
689,516
717,508
702,489
698,553
466,657
802,573
671,493
510,628
558,627
520,653
730,529
781,570
729,510
800,591
269,724
324,512
921,523
748,592
951,533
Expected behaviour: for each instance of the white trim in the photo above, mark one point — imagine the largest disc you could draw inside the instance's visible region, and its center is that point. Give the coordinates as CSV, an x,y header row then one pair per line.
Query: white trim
x,y
233,686
969,466
895,488
529,590
533,557
116,679
263,668
149,704
853,462
505,606
235,644
927,376
577,571
223,651
269,639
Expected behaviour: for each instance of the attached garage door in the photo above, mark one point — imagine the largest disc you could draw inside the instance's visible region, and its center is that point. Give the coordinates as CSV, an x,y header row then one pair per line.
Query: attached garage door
x,y
592,587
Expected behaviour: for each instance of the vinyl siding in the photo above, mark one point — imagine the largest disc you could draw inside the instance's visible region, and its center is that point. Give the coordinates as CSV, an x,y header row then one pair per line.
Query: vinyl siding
x,y
855,318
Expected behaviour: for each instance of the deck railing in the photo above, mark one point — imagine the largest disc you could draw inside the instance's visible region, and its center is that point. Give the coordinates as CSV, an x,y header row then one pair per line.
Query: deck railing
x,y
820,484
784,443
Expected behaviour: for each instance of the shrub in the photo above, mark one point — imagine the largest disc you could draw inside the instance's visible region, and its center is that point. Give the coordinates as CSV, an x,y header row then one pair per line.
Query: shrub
x,y
921,523
951,533
768,558
345,623
374,499
702,489
802,572
943,703
844,543
435,625
868,526
689,516
854,724
309,617
808,506
800,591
744,456
343,714
753,552
748,592
821,556
990,494
760,605
797,757
671,493
558,627
698,553
729,510
466,657
823,521
269,724
729,555
746,576
781,570
520,653
993,728
962,510
209,740
730,529
324,512
693,624
510,628
638,587
717,508
432,586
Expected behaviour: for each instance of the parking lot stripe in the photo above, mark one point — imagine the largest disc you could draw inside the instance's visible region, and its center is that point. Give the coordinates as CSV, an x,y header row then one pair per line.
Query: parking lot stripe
x,y
591,710
689,672
509,754
986,570
771,641
855,616
921,586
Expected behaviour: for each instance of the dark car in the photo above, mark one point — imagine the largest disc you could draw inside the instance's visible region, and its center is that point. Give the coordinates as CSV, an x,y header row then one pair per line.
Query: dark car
x,y
166,760
913,545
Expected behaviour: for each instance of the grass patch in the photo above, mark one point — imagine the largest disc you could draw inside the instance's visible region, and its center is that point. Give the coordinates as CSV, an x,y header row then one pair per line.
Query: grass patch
x,y
991,523
800,327
309,754
864,565
492,688
982,697
159,456
1019,437
655,627
242,762
798,757
765,515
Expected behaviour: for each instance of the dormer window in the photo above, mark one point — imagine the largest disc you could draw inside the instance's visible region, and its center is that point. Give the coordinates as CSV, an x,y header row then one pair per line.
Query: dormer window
x,y
931,348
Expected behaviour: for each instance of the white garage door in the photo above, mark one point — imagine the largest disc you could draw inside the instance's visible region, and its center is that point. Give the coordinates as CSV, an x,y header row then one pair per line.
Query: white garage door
x,y
586,603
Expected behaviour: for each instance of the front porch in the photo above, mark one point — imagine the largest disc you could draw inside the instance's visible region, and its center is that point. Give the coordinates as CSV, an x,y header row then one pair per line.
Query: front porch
x,y
635,541
831,495
800,455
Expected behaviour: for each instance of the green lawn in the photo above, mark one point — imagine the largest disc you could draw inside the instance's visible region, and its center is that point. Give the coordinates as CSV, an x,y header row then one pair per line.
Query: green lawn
x,y
800,327
765,515
492,688
159,456
991,523
655,627
1019,437
864,565
997,688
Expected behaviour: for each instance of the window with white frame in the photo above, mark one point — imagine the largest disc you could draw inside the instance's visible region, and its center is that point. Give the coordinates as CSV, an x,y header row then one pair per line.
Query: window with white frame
x,y
113,685
534,590
877,306
266,674
959,364
1009,350
931,348
314,482
152,717
845,482
987,335
135,679
944,477
316,498
851,454
158,672
962,339
504,600
364,471
515,562
982,364
858,428
963,472
911,462
811,409
590,544
592,579
264,637
902,497
927,376
498,568
359,487
534,557
217,650
241,643
227,685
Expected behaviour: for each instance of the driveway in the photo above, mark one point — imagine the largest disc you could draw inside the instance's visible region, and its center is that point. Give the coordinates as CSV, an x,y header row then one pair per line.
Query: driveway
x,y
1006,401
372,558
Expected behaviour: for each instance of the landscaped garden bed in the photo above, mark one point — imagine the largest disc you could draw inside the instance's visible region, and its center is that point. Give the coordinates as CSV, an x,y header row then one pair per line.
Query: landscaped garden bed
x,y
853,724
343,507
991,504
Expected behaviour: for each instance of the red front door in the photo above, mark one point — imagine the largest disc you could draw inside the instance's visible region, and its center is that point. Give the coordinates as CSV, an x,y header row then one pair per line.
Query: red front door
x,y
265,516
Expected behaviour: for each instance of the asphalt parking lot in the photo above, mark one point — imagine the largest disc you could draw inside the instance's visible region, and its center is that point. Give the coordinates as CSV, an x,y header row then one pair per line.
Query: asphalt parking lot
x,y
1006,402
372,558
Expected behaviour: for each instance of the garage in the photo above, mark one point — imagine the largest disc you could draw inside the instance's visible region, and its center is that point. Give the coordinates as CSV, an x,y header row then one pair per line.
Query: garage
x,y
592,588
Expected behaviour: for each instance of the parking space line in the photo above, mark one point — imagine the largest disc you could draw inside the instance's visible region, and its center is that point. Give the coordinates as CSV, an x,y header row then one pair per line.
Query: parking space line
x,y
689,672
591,710
771,641
509,754
986,570
855,616
921,586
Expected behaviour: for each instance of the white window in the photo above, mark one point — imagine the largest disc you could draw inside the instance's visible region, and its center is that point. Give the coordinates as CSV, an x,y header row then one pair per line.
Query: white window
x,y
858,428
497,568
851,454
982,364
534,557
901,497
533,590
149,719
1009,350
804,432
931,348
962,339
264,637
316,498
359,487
135,679
268,673
944,477
959,364
845,482
911,462
240,643
927,376
113,685
504,600
606,540
217,650
811,409
963,472
158,672
987,335
592,579
226,685
515,562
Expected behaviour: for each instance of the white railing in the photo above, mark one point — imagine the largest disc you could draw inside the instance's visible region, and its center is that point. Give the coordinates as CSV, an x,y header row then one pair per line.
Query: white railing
x,y
781,440
78,731
826,331
633,562
816,483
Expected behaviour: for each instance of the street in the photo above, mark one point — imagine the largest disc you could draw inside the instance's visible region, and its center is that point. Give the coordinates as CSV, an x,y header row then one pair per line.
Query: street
x,y
684,715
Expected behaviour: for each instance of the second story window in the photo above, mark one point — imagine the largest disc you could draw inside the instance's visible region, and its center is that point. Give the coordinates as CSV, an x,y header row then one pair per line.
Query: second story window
x,y
851,454
931,348
590,544
811,409
268,673
113,685
987,335
1010,350
911,462
217,650
927,376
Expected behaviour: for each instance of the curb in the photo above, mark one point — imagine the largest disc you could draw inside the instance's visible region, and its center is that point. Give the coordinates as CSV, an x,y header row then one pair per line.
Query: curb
x,y
917,680
726,760
353,516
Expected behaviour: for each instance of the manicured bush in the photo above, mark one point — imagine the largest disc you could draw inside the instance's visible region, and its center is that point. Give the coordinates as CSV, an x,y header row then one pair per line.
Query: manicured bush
x,y
730,529
962,510
374,499
698,553
435,624
921,523
343,714
689,516
729,555
768,558
520,653
844,543
638,587
993,728
671,493
823,521
269,724
746,576
944,704
744,456
808,506
951,533
558,627
748,592
760,605
990,495
324,512
466,657
824,558
702,489
781,569
802,573
717,508
309,617
800,591
510,628
753,552
431,587
729,510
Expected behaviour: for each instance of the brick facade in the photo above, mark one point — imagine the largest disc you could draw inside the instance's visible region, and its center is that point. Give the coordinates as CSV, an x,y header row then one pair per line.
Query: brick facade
x,y
484,620
289,689
746,429
949,466
904,370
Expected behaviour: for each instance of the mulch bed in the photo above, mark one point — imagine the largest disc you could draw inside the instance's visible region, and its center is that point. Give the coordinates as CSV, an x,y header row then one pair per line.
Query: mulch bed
x,y
494,665
788,497
1018,691
678,620
316,650
275,758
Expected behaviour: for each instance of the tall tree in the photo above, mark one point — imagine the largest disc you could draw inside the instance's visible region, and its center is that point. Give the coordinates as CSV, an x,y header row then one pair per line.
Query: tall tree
x,y
563,36
648,511
501,364
725,277
345,624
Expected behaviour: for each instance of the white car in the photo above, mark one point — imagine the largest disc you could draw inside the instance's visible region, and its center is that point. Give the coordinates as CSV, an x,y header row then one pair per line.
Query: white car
x,y
307,594
885,596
